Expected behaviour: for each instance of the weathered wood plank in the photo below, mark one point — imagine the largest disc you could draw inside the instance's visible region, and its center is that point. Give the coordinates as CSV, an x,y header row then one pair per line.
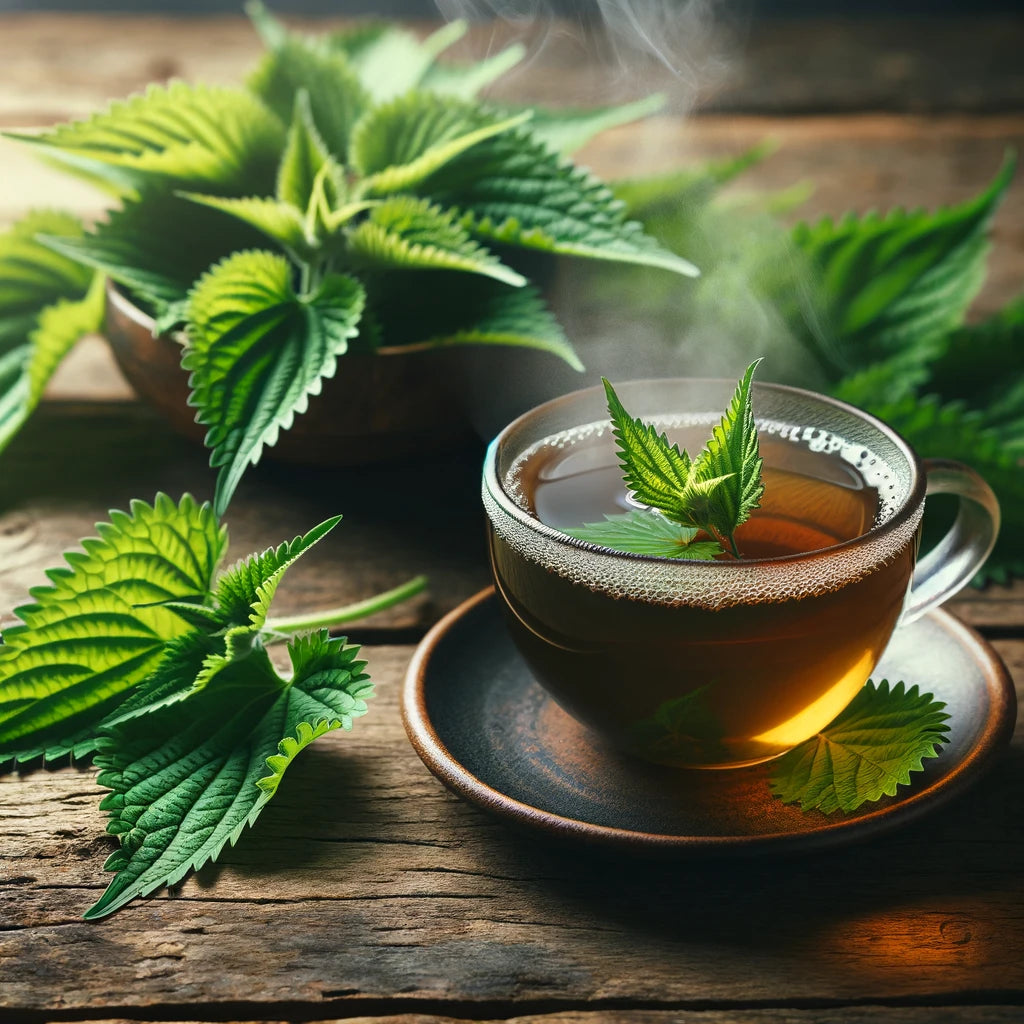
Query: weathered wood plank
x,y
818,1015
391,889
63,65
66,471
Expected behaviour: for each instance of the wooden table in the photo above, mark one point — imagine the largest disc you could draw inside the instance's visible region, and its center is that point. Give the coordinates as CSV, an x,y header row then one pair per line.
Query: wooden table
x,y
368,891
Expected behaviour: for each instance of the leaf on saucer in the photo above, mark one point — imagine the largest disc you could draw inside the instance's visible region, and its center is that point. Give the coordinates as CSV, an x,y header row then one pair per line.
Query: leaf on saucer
x,y
647,533
882,736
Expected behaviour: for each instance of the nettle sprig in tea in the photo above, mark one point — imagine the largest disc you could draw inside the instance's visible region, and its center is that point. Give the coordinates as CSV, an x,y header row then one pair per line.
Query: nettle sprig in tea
x,y
138,653
693,508
713,493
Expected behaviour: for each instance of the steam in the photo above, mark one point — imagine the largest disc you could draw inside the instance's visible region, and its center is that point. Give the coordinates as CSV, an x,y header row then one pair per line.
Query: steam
x,y
631,323
678,47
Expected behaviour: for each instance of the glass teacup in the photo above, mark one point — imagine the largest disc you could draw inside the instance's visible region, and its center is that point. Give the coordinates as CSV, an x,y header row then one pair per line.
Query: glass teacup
x,y
722,663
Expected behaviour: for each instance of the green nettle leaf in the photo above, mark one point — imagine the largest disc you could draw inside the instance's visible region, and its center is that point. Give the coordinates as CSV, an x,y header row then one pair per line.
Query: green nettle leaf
x,y
417,311
60,327
732,455
717,491
513,189
647,533
193,135
567,130
972,366
888,380
135,653
889,283
866,753
157,245
47,302
465,81
406,233
99,628
662,194
278,220
684,727
949,430
200,771
272,33
257,352
31,275
336,97
655,470
228,633
305,156
244,593
398,145
393,61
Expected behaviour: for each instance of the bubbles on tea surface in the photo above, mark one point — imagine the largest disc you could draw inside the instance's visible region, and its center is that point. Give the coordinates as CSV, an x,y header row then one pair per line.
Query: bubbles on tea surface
x,y
705,584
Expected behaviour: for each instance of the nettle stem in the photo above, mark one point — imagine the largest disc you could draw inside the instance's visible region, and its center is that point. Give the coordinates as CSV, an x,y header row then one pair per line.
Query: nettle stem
x,y
727,541
348,612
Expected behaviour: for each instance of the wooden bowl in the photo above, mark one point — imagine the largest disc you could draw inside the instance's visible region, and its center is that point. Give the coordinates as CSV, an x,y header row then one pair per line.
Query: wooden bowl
x,y
388,405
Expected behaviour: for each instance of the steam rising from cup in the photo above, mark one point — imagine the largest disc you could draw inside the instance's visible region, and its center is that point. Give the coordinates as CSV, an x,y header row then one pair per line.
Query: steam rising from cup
x,y
628,322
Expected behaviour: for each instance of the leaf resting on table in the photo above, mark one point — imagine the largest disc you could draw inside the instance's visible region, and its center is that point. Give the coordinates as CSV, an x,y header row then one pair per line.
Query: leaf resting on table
x,y
866,753
189,782
135,651
99,629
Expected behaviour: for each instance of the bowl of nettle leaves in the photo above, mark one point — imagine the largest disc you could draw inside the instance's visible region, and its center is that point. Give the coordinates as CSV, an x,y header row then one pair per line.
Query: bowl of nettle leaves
x,y
324,238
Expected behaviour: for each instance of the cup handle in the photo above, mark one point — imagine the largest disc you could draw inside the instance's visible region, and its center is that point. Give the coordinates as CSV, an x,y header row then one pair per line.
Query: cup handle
x,y
951,564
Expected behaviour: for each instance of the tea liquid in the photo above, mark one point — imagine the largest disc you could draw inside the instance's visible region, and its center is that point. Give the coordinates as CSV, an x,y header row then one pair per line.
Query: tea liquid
x,y
698,686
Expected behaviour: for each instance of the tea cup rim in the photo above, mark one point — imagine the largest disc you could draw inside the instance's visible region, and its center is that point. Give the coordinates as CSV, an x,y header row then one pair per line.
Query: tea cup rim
x,y
907,508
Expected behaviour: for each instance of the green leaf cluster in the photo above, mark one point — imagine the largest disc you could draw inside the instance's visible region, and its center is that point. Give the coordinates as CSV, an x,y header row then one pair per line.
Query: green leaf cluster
x,y
355,192
872,747
892,294
713,493
872,308
139,652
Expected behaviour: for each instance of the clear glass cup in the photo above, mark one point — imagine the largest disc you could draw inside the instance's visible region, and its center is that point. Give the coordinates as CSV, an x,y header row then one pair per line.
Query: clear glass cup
x,y
722,663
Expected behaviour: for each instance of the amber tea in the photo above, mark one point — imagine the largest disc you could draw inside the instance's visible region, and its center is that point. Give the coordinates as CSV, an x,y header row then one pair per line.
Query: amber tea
x,y
686,684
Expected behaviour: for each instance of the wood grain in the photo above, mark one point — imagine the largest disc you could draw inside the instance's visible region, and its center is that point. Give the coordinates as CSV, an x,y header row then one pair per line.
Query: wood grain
x,y
368,892
74,463
390,891
66,66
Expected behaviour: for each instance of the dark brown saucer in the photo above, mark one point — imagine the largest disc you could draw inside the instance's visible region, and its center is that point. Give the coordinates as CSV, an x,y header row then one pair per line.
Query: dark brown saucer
x,y
488,731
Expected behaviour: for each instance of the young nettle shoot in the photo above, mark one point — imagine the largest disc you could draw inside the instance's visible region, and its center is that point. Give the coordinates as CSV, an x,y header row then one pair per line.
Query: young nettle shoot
x,y
710,495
